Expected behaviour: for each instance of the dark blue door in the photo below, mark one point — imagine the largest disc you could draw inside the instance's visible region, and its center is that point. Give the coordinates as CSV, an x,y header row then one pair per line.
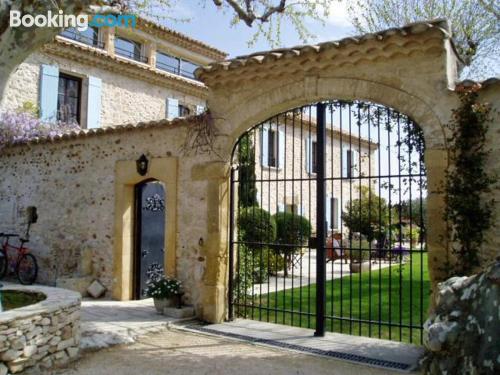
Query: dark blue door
x,y
150,234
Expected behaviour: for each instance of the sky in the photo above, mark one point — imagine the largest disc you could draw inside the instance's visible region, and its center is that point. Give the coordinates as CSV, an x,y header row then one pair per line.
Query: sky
x,y
212,26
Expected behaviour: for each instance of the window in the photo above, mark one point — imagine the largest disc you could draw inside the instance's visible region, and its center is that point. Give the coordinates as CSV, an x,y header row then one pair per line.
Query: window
x,y
68,99
89,36
130,49
184,111
168,63
188,68
272,148
350,163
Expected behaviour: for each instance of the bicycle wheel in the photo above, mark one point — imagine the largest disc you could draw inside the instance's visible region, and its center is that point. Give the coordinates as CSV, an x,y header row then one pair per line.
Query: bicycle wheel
x,y
3,264
27,269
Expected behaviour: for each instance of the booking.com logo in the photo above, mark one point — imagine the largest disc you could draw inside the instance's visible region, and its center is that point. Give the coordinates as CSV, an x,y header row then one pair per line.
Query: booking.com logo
x,y
80,22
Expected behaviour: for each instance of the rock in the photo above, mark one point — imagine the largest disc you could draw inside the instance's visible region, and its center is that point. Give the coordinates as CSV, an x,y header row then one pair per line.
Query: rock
x,y
96,289
3,369
45,322
10,355
72,352
55,340
30,350
461,336
65,344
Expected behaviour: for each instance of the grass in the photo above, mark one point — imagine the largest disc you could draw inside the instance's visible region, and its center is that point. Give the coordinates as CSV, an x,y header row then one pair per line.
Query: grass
x,y
13,299
356,303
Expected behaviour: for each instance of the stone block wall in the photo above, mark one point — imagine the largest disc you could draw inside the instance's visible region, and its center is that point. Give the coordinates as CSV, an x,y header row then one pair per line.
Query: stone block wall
x,y
43,335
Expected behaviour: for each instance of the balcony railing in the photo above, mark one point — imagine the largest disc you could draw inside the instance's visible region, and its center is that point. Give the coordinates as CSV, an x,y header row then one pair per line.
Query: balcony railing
x,y
78,37
131,55
175,70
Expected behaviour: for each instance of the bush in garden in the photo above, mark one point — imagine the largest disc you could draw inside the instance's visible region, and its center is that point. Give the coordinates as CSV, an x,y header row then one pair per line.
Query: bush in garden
x,y
292,230
256,226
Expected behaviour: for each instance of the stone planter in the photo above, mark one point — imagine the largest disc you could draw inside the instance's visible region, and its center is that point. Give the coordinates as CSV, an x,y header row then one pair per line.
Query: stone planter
x,y
161,303
359,267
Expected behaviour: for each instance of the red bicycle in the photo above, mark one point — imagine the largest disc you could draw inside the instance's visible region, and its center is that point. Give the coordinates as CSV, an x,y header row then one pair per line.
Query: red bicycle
x,y
22,262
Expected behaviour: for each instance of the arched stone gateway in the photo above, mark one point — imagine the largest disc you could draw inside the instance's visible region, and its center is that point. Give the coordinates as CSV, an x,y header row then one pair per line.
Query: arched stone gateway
x,y
412,69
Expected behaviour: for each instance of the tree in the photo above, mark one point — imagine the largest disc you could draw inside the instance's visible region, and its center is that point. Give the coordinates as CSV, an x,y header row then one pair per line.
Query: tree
x,y
247,191
367,214
17,43
474,23
292,231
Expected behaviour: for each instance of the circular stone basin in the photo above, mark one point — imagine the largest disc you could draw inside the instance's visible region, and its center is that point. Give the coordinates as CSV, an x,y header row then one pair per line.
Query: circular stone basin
x,y
13,299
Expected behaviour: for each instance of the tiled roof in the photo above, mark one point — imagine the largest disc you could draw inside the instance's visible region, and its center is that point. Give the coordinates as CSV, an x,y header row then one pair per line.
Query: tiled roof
x,y
87,133
257,58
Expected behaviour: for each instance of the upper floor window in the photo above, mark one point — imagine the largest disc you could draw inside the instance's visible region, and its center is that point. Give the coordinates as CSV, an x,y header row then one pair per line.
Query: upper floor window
x,y
175,65
168,63
188,68
350,163
69,98
130,49
184,110
272,147
89,36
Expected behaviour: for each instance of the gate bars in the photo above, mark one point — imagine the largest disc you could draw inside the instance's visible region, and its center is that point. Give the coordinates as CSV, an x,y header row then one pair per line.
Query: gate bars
x,y
346,169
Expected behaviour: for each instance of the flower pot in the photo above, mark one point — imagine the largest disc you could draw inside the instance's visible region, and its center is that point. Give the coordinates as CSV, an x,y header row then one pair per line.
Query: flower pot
x,y
161,303
359,267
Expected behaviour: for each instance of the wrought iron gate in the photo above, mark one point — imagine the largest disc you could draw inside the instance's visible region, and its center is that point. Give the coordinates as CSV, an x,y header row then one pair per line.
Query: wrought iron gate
x,y
149,235
327,226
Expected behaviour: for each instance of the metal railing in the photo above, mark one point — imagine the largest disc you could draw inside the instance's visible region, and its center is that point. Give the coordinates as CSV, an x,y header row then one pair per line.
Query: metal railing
x,y
131,55
78,37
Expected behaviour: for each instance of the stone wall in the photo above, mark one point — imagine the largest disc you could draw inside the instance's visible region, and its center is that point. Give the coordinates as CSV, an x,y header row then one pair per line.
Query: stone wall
x,y
461,336
41,335
72,184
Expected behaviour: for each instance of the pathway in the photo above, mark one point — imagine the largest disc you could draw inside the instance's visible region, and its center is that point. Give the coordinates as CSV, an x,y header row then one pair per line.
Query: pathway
x,y
105,323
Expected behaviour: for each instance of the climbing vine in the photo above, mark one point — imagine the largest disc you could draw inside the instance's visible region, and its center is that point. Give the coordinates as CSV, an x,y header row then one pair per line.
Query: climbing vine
x,y
466,210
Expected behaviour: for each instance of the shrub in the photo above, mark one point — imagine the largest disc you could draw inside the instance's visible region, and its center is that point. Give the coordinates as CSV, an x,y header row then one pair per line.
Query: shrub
x,y
256,226
20,127
292,230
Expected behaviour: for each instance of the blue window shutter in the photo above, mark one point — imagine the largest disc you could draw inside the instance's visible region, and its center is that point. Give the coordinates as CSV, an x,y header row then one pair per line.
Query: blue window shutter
x,y
172,108
281,149
49,85
264,150
309,155
94,103
328,212
200,109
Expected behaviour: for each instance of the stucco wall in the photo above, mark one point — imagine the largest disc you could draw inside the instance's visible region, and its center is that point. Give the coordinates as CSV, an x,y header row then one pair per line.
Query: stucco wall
x,y
124,99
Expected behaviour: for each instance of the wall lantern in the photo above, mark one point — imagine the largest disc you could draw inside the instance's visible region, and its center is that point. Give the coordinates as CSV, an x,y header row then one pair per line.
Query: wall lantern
x,y
142,165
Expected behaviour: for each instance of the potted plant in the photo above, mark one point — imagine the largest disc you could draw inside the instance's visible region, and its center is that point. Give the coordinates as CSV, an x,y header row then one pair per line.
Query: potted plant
x,y
360,259
166,292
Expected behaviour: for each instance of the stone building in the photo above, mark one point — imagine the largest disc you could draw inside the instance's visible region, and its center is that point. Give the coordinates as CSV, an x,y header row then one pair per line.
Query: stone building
x,y
288,150
83,183
113,75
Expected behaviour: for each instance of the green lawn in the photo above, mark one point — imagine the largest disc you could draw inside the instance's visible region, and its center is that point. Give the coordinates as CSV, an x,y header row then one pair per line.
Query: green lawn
x,y
395,295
